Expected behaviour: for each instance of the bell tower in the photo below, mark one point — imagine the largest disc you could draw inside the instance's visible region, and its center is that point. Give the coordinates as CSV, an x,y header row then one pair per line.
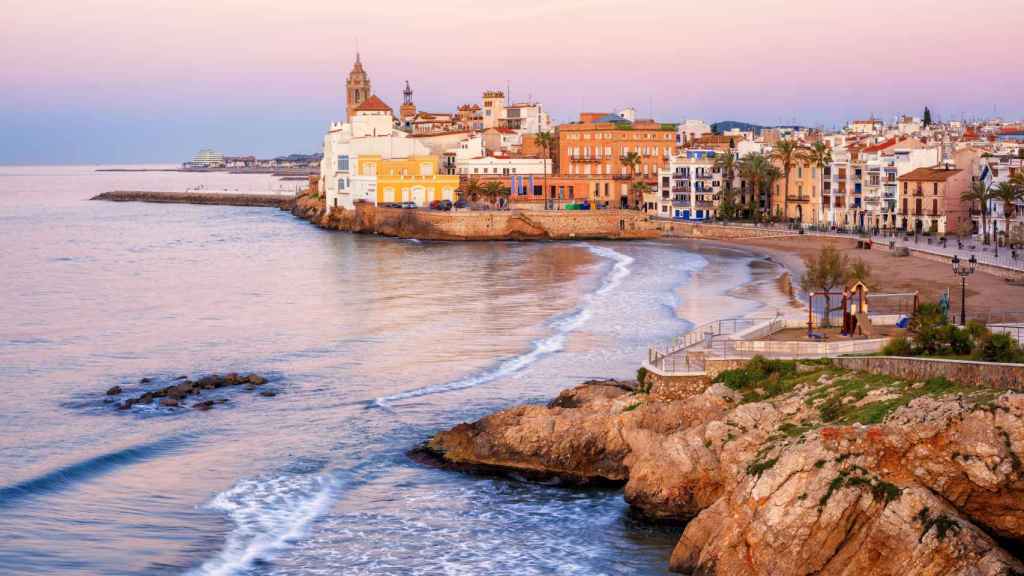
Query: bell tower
x,y
408,110
357,88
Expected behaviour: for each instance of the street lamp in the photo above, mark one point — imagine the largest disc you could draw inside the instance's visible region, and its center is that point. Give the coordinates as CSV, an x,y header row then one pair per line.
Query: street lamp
x,y
963,272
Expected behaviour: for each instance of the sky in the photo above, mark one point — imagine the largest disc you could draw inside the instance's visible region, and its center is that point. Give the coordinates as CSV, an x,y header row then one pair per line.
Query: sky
x,y
138,81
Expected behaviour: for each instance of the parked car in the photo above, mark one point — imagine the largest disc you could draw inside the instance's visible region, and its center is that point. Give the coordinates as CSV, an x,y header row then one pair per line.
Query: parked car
x,y
441,205
408,205
391,205
461,204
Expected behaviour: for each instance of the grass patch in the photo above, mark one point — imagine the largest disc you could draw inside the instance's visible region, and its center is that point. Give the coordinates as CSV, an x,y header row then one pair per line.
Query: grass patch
x,y
858,477
943,525
631,407
758,468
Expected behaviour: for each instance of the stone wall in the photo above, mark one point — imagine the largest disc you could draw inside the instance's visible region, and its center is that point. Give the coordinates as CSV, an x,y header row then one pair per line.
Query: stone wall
x,y
717,231
668,388
1005,376
483,225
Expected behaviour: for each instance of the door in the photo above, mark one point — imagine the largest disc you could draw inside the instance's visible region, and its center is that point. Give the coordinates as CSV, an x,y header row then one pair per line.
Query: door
x,y
419,196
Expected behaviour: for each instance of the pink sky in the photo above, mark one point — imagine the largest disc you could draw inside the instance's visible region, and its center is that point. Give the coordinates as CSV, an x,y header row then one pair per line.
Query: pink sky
x,y
768,61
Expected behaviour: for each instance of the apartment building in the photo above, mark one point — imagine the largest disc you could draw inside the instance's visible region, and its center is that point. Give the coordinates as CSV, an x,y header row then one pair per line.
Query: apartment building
x,y
690,188
932,200
594,148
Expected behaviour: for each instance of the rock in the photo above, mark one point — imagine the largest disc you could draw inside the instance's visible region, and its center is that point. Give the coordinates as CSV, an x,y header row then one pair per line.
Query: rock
x,y
145,381
770,488
169,402
182,377
255,379
114,391
268,393
203,406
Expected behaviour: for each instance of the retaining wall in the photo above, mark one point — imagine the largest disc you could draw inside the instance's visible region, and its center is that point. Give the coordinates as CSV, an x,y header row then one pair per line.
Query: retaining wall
x,y
988,374
717,231
483,225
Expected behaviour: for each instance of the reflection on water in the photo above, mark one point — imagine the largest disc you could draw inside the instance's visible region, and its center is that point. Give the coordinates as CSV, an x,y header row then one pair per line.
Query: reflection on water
x,y
373,343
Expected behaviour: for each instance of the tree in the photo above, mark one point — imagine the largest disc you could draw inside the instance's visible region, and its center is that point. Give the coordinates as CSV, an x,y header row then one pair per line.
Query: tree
x,y
927,117
726,164
1008,194
754,168
639,189
493,190
470,189
631,160
819,155
546,141
981,193
786,153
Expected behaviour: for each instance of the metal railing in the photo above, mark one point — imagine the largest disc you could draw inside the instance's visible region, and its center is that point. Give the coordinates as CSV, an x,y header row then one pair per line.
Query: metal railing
x,y
1014,330
790,349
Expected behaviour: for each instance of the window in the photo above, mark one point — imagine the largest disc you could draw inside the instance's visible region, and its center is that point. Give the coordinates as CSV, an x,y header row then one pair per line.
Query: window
x,y
935,188
343,163
426,169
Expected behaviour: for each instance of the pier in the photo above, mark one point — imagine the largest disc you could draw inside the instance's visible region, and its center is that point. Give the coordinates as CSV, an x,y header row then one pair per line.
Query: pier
x,y
210,198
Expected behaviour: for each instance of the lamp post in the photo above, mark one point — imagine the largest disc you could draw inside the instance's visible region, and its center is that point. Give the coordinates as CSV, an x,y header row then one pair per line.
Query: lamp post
x,y
963,272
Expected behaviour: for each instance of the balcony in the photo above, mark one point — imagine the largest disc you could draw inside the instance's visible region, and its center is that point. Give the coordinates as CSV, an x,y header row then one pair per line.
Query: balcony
x,y
796,198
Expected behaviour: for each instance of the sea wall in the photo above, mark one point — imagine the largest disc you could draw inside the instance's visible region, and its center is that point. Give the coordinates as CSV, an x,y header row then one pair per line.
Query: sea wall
x,y
987,374
477,225
213,198
717,231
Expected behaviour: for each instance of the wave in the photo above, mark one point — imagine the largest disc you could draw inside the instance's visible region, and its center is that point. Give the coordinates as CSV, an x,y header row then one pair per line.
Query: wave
x,y
539,348
269,514
66,476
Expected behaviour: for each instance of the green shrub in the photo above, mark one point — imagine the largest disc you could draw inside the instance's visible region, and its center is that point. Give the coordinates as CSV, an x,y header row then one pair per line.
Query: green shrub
x,y
999,348
977,330
759,372
927,328
898,346
957,341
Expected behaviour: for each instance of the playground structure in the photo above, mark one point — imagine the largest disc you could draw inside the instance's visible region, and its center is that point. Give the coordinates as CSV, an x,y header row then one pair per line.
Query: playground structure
x,y
855,302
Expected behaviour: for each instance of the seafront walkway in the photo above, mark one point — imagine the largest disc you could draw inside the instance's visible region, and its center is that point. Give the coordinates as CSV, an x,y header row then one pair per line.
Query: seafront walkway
x,y
1001,257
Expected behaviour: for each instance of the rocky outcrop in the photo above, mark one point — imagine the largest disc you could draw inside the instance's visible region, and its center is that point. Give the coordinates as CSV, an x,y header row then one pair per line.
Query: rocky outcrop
x,y
815,470
175,395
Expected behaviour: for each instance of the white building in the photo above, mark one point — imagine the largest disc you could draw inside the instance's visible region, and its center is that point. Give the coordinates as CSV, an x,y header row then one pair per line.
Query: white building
x,y
690,130
524,117
691,187
501,166
207,158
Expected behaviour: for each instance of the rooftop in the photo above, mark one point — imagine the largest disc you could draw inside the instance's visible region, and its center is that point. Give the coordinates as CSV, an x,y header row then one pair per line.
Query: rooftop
x,y
933,174
373,104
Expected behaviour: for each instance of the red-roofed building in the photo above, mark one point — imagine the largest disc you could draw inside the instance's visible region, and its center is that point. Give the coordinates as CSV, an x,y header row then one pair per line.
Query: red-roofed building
x,y
932,200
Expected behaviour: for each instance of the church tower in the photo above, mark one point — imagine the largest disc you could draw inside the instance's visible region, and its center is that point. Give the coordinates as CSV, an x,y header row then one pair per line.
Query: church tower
x,y
407,110
357,87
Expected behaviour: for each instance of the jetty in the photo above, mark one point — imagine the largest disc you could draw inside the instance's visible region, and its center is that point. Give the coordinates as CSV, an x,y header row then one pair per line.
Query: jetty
x,y
210,198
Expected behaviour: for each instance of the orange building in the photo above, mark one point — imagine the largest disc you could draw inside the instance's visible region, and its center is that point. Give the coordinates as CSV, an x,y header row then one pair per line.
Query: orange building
x,y
591,153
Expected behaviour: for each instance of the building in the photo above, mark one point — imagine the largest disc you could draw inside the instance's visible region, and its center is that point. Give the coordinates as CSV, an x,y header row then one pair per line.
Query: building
x,y
690,188
594,149
407,111
206,158
528,117
932,200
802,200
357,88
411,178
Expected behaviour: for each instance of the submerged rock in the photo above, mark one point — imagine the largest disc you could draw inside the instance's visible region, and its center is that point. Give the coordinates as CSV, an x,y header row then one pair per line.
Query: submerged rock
x,y
173,395
816,471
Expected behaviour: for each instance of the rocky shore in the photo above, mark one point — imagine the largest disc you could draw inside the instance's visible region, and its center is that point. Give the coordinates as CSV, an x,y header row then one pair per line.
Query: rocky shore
x,y
785,469
423,224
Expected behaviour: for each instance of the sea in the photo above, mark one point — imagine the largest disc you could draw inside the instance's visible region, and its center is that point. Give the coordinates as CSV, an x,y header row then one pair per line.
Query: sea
x,y
371,346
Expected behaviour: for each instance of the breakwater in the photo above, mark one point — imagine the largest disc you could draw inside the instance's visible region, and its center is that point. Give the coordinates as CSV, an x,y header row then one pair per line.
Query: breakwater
x,y
212,198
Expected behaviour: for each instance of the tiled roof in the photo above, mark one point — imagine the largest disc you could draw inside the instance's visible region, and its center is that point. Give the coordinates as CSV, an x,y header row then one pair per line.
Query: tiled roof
x,y
880,146
373,104
934,174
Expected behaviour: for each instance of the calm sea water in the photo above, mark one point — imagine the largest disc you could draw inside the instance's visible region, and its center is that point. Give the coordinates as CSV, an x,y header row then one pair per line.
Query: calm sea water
x,y
372,344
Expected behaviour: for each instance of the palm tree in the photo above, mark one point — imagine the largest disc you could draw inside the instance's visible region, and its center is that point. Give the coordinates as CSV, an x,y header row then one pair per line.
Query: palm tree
x,y
546,141
470,189
770,175
752,168
639,189
493,189
631,160
981,193
819,155
1008,193
726,164
786,152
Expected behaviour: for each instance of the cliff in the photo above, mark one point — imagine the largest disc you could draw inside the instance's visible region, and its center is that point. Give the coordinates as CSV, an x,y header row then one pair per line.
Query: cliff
x,y
476,225
785,469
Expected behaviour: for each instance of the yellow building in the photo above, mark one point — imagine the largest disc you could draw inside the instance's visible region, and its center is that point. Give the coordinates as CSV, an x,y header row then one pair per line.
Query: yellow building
x,y
412,179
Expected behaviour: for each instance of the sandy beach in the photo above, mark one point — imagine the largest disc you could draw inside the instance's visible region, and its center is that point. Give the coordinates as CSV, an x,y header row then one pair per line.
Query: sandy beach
x,y
986,293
